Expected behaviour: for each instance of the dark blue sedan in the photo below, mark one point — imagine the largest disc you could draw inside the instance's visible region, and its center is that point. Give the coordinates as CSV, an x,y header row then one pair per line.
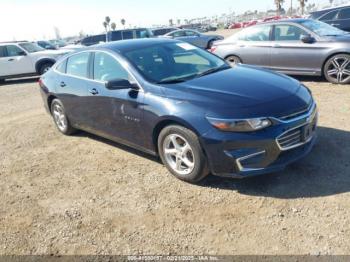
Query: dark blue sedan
x,y
175,100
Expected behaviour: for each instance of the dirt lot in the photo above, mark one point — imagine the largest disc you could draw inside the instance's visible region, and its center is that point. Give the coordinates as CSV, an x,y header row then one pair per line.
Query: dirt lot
x,y
84,195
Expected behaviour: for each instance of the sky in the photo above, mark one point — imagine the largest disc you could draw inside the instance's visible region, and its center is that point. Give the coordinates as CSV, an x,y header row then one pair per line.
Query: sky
x,y
36,19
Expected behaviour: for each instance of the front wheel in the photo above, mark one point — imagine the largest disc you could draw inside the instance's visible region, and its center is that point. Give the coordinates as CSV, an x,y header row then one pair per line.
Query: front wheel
x,y
60,118
44,68
337,69
233,60
181,153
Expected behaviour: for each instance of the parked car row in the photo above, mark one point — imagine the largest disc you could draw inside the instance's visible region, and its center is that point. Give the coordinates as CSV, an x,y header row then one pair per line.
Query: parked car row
x,y
293,46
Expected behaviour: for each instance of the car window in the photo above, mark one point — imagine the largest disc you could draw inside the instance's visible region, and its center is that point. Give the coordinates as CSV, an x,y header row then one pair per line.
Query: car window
x,y
143,33
107,68
329,16
256,33
116,35
191,33
77,65
178,34
288,33
62,67
13,50
344,13
2,51
128,34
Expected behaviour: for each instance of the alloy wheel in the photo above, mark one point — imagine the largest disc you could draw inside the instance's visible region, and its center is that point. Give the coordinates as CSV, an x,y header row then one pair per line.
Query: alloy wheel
x,y
338,69
178,154
233,60
59,117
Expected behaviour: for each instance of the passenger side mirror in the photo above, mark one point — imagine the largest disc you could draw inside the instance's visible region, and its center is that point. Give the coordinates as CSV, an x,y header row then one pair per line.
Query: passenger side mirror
x,y
307,39
117,84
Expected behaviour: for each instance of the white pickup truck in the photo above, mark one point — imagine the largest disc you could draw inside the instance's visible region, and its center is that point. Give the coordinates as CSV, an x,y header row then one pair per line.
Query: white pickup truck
x,y
19,59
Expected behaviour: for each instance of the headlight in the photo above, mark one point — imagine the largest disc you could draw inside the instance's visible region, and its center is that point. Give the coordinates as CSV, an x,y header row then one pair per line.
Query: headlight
x,y
240,125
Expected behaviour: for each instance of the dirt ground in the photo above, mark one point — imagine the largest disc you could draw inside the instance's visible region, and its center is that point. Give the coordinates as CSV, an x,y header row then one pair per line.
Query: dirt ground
x,y
85,195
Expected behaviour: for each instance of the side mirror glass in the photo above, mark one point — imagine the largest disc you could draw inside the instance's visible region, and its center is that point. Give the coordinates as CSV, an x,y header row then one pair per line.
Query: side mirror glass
x,y
307,39
117,84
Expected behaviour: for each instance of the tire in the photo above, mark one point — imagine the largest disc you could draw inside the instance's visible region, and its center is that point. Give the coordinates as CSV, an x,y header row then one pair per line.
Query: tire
x,y
186,159
337,69
60,119
233,60
44,68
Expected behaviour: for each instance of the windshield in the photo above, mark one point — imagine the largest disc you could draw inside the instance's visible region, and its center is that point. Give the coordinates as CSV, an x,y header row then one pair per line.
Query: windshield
x,y
31,48
322,29
174,62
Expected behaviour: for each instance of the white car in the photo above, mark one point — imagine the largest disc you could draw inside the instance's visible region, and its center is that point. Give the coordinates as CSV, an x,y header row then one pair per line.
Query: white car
x,y
18,59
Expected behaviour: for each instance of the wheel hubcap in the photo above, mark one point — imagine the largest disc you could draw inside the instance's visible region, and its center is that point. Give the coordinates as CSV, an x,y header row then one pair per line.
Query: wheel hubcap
x,y
339,69
178,154
60,118
233,61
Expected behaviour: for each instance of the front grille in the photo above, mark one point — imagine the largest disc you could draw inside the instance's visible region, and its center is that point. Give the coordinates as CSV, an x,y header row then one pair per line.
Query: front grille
x,y
290,139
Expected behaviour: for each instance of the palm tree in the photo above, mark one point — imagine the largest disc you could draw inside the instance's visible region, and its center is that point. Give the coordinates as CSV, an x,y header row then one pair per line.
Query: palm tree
x,y
108,20
123,22
105,25
171,22
113,26
302,6
278,4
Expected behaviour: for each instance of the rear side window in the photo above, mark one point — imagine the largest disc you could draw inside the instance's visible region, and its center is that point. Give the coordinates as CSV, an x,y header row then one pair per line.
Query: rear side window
x,y
62,67
329,16
107,68
2,51
77,65
344,13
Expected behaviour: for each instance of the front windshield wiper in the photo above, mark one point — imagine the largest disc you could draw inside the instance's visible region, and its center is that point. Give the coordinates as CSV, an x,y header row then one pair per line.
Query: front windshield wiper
x,y
213,70
172,81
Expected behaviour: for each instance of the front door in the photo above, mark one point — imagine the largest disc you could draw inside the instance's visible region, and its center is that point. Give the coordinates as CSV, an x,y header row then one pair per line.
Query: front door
x,y
18,61
113,113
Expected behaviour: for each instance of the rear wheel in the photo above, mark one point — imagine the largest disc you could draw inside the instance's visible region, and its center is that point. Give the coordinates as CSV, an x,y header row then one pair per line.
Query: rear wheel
x,y
233,60
60,118
337,69
44,68
181,153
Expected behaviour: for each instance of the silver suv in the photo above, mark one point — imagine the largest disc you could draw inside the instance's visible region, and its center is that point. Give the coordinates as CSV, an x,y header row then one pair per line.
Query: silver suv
x,y
18,59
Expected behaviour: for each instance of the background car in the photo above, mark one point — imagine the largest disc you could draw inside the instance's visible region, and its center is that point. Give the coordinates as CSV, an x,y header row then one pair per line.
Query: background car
x,y
58,43
46,45
162,30
19,59
175,100
338,17
195,38
93,40
294,46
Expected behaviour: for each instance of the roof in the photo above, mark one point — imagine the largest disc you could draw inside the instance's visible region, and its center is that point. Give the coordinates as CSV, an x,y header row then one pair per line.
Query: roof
x,y
291,20
13,42
128,45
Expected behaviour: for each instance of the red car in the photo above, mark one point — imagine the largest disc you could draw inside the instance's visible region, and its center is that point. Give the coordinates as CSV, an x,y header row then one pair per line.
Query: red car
x,y
236,26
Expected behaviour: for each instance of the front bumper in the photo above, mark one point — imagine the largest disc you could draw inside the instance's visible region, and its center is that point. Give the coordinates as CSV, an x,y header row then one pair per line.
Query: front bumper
x,y
270,150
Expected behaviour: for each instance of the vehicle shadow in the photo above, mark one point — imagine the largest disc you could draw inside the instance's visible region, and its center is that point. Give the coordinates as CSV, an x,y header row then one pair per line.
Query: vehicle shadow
x,y
318,79
19,81
325,171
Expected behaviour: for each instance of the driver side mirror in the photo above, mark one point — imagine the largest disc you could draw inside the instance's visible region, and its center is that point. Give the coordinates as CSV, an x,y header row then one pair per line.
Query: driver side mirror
x,y
307,39
21,53
118,84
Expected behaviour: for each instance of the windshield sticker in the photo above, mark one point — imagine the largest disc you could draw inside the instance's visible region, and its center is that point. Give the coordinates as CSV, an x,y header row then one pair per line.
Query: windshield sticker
x,y
186,46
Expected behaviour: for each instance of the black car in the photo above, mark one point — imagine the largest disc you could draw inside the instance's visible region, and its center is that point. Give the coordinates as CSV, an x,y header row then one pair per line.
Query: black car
x,y
338,17
93,40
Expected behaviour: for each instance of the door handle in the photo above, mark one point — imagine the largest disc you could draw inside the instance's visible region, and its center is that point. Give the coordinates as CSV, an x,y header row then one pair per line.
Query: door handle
x,y
62,84
93,91
11,59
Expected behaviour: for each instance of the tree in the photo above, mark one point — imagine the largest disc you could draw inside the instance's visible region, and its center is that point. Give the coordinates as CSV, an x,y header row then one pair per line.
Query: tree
x,y
331,2
171,23
123,22
302,5
105,25
278,4
113,26
178,21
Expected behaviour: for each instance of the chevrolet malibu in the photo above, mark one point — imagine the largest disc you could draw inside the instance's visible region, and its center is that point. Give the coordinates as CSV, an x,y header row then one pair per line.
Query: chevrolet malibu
x,y
172,99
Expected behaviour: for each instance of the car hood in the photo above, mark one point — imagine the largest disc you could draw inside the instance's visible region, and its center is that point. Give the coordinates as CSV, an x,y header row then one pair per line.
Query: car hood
x,y
246,91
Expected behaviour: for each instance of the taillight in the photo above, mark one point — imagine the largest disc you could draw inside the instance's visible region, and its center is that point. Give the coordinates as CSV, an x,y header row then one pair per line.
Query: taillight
x,y
213,48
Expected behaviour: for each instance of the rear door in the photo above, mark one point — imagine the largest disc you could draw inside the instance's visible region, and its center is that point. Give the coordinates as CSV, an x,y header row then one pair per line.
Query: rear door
x,y
72,88
254,45
289,53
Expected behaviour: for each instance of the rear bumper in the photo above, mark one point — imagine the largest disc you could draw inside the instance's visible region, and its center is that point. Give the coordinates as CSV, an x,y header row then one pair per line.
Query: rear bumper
x,y
243,155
